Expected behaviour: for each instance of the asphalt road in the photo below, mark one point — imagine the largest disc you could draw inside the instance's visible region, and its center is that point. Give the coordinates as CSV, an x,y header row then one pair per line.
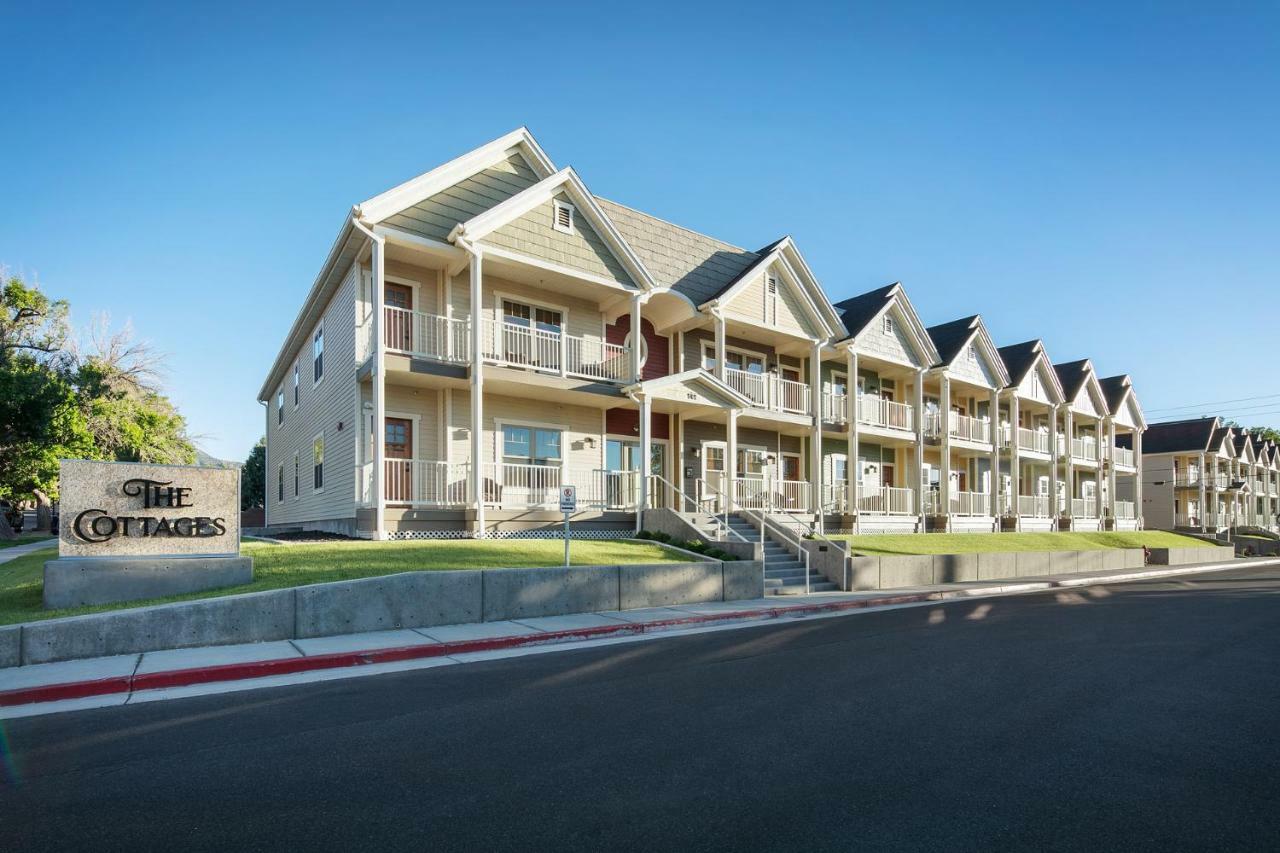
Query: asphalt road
x,y
1134,717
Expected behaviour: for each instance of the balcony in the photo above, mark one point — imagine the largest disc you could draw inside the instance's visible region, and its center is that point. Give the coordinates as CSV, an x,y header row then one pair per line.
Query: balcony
x,y
1084,508
1033,506
970,503
773,495
1030,440
1122,456
970,429
874,410
887,500
432,336
1084,449
1125,510
447,485
770,391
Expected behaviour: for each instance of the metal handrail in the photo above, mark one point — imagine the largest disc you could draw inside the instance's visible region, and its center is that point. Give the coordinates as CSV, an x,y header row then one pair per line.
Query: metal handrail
x,y
721,527
821,537
724,502
788,536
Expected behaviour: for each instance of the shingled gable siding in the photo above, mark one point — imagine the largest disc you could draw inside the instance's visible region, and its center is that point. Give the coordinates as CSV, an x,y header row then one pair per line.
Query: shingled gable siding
x,y
1028,389
658,363
1083,403
581,249
895,347
978,372
320,409
753,303
435,217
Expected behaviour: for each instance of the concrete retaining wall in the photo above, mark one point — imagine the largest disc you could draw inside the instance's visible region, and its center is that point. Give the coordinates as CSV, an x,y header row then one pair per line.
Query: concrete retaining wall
x,y
670,522
1183,556
829,559
895,571
408,600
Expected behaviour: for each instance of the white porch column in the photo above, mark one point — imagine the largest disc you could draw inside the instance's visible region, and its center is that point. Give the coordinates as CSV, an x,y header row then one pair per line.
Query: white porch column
x,y
731,460
646,442
1137,479
994,485
379,380
815,443
1015,461
1204,497
1069,428
719,321
1099,471
851,427
637,335
477,391
919,420
1055,511
1111,469
944,476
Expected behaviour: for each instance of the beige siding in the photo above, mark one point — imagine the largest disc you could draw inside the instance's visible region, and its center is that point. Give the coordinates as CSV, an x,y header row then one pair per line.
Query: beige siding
x,y
979,372
787,312
582,249
582,316
895,347
1083,403
1029,389
321,408
577,422
435,217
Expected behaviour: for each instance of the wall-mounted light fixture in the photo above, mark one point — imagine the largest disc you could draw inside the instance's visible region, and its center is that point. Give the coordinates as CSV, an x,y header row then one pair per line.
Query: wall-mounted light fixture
x,y
590,442
696,451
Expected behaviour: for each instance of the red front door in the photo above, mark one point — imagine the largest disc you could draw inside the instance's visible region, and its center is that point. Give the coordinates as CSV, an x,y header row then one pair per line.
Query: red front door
x,y
398,447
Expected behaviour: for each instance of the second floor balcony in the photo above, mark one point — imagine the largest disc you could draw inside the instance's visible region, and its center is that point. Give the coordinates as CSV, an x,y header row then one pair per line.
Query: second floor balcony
x,y
1030,440
961,427
873,410
546,349
770,391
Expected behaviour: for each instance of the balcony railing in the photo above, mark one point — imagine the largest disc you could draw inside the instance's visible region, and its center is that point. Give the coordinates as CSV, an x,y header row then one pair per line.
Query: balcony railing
x,y
875,410
887,500
760,493
835,407
1122,456
1084,449
770,391
1033,506
425,335
970,429
1126,510
970,503
1084,508
435,484
554,352
835,497
1033,440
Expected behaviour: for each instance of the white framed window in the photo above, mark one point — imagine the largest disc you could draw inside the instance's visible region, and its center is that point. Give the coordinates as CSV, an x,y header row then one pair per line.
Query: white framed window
x,y
280,406
562,216
528,445
888,327
735,359
317,355
297,371
317,463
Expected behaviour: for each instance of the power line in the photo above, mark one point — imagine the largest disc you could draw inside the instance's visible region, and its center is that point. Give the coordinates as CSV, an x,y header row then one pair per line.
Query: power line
x,y
1216,403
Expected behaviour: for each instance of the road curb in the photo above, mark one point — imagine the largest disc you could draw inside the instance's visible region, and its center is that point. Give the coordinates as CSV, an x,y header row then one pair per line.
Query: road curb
x,y
340,660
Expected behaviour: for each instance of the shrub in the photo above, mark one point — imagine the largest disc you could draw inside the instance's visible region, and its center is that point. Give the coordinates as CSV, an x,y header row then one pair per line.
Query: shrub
x,y
644,534
665,538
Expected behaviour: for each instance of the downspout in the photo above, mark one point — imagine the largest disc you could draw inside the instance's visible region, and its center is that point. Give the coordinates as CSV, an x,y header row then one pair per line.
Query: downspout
x,y
377,379
266,461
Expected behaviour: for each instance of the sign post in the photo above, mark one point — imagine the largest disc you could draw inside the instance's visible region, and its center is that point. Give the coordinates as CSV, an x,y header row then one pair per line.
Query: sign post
x,y
568,504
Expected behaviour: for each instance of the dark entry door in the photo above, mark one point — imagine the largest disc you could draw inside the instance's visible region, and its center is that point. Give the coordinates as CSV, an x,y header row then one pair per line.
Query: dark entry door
x,y
398,299
399,453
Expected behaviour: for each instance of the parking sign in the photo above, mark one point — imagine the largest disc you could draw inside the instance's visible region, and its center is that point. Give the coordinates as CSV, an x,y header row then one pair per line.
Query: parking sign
x,y
568,498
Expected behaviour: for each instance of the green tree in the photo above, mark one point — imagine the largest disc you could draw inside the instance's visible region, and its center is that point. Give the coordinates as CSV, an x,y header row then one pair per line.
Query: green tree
x,y
253,477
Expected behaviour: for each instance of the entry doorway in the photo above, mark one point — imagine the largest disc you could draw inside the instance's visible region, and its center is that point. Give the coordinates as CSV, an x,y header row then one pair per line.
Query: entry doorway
x,y
398,299
398,449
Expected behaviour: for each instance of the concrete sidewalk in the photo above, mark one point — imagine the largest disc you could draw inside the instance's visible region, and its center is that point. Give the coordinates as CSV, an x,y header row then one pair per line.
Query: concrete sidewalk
x,y
95,682
7,554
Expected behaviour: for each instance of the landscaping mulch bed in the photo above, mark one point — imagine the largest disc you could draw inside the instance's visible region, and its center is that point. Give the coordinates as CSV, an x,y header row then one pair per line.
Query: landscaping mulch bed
x,y
312,536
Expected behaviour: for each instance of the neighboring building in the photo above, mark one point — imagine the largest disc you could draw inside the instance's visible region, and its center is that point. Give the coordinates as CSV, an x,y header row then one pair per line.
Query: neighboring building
x,y
1201,475
490,331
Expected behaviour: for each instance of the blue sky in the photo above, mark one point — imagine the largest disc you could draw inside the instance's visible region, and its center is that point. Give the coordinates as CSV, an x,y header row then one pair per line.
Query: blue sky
x,y
1105,178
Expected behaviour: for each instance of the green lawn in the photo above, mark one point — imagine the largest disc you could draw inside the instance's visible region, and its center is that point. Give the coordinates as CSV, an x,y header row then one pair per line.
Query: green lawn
x,y
23,539
277,566
972,543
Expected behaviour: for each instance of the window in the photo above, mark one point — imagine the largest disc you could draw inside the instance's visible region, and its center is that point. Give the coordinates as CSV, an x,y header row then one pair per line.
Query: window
x,y
296,372
644,347
317,355
888,325
280,484
771,298
317,461
295,475
563,217
973,352
530,445
280,406
734,359
542,319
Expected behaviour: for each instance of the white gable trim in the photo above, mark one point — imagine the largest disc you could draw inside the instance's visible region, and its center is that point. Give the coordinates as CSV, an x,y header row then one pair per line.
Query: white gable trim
x,y
803,282
697,376
919,335
566,180
441,178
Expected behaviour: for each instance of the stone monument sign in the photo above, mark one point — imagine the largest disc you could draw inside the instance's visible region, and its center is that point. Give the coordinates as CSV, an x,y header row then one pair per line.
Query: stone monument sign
x,y
129,530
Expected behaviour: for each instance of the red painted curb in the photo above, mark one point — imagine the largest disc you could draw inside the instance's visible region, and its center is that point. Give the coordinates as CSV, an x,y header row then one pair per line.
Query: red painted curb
x,y
339,660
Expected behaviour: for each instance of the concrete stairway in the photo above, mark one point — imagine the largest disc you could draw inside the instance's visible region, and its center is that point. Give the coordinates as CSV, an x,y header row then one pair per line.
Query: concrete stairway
x,y
783,572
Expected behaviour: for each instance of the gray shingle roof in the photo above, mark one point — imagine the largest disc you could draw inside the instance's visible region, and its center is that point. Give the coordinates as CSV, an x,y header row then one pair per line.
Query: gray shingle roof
x,y
693,264
1113,388
1072,375
950,338
857,311
1018,359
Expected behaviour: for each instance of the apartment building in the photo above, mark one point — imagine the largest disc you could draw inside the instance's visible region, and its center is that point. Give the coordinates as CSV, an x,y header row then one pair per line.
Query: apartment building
x,y
1201,475
491,330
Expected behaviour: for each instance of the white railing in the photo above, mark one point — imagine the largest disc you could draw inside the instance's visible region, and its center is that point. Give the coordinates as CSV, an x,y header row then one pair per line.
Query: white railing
x,y
1126,510
769,391
835,497
1084,508
1189,477
614,490
933,424
554,351
1085,449
1034,440
419,482
770,495
1184,518
835,407
521,485
887,500
970,503
932,502
875,410
1122,456
969,429
1033,506
425,335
